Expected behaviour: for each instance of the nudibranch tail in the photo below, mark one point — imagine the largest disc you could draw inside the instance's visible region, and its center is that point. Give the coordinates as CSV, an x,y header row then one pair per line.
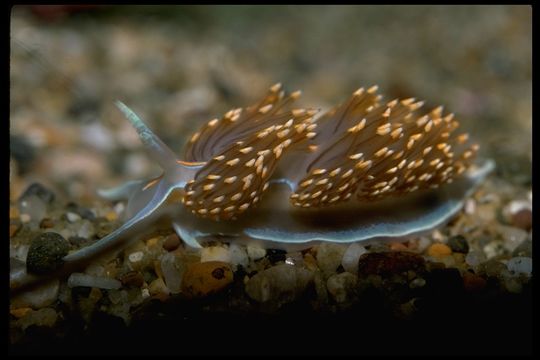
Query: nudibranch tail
x,y
156,148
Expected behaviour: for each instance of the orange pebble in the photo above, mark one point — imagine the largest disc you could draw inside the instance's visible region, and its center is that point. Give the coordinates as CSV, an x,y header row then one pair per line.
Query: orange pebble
x,y
439,250
201,279
397,246
21,312
13,212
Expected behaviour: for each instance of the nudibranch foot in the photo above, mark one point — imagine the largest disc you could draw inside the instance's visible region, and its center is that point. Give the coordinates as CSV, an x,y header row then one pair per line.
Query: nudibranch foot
x,y
274,225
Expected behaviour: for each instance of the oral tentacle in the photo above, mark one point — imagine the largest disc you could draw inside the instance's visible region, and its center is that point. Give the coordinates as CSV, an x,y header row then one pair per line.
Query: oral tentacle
x,y
156,148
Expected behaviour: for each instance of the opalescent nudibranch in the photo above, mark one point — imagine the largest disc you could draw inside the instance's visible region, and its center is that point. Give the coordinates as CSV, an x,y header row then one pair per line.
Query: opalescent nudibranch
x,y
282,177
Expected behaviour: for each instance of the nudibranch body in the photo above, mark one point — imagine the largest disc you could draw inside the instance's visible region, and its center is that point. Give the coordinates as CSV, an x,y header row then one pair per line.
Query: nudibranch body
x,y
282,177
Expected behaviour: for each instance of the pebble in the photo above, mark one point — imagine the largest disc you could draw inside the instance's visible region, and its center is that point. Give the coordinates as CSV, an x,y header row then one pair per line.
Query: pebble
x,y
25,218
78,241
171,243
492,268
473,282
13,212
73,217
103,227
393,262
475,258
523,219
351,256
132,278
46,223
458,244
39,297
342,286
215,253
438,236
320,286
238,255
310,262
512,236
40,192
329,257
81,211
417,283
111,215
439,250
205,278
512,285
20,312
281,283
19,252
470,206
398,246
86,229
294,258
46,252
158,289
145,293
136,256
423,243
80,279
172,275
493,249
23,151
94,269
14,227
119,208
520,265
33,206
516,207
42,317
486,212
255,253
524,249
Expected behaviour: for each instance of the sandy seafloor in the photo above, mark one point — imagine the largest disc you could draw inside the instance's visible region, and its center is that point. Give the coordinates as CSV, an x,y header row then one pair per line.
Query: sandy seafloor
x,y
465,288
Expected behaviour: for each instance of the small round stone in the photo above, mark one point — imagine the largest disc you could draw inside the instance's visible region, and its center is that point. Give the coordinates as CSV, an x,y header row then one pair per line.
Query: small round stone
x,y
73,217
46,223
417,283
132,278
46,252
473,282
520,265
439,250
522,219
458,244
171,243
